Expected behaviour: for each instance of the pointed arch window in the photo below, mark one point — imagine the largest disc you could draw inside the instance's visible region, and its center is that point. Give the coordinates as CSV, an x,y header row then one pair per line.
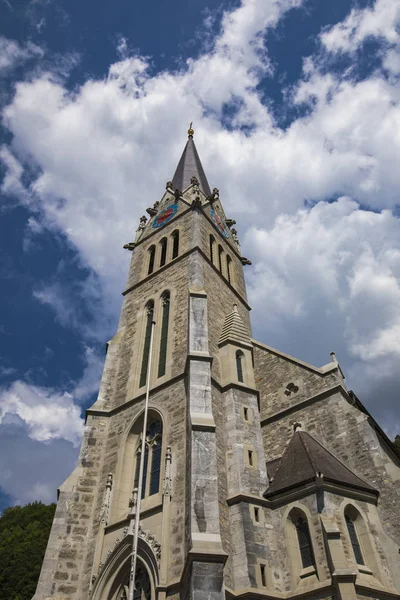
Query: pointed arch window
x,y
212,248
142,588
151,256
239,365
305,545
146,347
163,256
175,244
162,360
351,528
220,255
152,460
229,268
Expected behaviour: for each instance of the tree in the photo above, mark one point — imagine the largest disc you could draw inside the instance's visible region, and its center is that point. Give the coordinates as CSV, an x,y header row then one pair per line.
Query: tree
x,y
24,531
396,441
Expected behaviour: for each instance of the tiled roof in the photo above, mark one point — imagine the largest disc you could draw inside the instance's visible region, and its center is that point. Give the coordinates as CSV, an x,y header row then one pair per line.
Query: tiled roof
x,y
189,166
303,459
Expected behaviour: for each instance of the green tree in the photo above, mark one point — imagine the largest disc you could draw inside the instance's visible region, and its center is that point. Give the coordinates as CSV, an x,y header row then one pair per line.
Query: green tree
x,y
396,441
24,531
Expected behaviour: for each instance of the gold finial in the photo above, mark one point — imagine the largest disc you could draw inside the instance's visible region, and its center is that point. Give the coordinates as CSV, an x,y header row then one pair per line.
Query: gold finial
x,y
190,130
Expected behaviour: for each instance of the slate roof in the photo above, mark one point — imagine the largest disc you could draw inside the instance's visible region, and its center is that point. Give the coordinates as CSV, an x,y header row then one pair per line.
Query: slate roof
x,y
234,329
303,458
189,166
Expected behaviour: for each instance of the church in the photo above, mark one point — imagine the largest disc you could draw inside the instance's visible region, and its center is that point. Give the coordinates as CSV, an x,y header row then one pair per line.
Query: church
x,y
219,466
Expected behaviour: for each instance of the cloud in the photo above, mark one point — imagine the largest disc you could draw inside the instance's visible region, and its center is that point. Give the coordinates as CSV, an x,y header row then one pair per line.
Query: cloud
x,y
13,53
379,21
328,271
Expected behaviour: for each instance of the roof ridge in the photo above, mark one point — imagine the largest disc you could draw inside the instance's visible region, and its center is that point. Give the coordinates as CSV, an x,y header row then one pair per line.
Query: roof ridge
x,y
306,448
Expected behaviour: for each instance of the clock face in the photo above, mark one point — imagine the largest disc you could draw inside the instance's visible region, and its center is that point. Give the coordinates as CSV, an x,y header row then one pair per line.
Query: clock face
x,y
219,223
165,216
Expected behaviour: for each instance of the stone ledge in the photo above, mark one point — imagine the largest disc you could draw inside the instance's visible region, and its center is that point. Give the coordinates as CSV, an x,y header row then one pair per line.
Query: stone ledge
x,y
202,421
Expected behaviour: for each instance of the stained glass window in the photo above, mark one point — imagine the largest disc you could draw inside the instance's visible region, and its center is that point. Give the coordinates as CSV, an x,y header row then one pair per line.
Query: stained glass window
x,y
152,460
146,348
175,244
142,589
351,528
212,244
164,335
220,254
305,546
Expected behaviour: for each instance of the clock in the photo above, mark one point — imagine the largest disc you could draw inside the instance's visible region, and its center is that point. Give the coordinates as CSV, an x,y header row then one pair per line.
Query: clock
x,y
221,226
165,216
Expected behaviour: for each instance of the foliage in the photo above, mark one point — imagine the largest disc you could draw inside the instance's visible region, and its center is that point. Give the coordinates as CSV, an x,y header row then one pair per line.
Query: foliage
x,y
24,531
396,441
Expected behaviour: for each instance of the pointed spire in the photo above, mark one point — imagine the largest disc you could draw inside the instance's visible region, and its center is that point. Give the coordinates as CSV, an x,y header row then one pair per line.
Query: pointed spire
x,y
190,166
234,329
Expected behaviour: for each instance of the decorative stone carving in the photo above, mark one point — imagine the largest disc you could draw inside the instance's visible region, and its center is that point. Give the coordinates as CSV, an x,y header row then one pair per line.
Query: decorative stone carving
x,y
168,185
129,246
177,194
105,509
245,261
230,222
167,485
153,209
214,196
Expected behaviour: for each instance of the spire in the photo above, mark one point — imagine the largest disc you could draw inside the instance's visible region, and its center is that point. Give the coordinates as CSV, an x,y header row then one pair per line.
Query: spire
x,y
234,329
190,166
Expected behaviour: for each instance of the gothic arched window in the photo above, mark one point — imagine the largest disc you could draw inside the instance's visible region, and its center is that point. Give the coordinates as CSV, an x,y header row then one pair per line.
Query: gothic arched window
x,y
212,248
220,255
151,255
239,365
164,334
146,347
351,528
175,244
142,589
305,545
152,460
229,268
163,256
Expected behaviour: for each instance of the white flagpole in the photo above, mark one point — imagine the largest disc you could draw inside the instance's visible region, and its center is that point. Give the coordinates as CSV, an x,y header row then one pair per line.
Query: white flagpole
x,y
140,482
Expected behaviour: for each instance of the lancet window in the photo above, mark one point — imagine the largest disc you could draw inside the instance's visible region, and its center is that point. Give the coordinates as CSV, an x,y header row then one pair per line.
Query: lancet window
x,y
175,244
152,460
162,360
151,257
351,528
142,589
146,347
163,255
305,545
212,248
239,365
220,255
229,268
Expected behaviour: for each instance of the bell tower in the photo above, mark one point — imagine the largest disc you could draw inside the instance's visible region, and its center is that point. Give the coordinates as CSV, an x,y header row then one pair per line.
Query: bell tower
x,y
261,476
186,276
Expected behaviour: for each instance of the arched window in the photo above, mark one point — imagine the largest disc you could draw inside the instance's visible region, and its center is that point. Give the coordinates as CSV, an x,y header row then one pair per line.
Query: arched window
x,y
175,244
142,589
305,545
146,347
220,255
164,334
151,255
239,365
163,256
152,460
212,248
351,528
229,268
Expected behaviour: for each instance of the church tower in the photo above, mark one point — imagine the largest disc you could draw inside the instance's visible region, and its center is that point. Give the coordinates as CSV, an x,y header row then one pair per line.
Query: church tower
x,y
263,476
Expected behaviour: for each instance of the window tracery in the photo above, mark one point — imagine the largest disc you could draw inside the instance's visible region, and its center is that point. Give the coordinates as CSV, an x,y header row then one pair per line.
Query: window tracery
x,y
152,460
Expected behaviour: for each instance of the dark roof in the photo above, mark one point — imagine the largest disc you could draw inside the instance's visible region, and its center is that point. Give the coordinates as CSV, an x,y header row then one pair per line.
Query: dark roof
x,y
189,166
303,459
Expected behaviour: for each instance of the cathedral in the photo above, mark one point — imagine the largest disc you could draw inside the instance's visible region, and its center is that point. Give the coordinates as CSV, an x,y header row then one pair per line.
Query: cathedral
x,y
222,467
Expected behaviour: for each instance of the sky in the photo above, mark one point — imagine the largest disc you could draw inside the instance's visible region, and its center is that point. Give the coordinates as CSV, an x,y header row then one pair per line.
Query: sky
x,y
295,105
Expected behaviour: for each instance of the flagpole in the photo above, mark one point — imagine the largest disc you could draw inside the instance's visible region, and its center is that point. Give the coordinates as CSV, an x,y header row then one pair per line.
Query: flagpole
x,y
140,482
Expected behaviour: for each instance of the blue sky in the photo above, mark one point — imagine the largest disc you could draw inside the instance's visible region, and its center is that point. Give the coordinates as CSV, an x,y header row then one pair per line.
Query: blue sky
x,y
296,112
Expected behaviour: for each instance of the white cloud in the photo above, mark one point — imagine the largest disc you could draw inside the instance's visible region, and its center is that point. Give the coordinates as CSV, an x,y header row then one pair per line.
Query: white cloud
x,y
13,53
104,151
381,20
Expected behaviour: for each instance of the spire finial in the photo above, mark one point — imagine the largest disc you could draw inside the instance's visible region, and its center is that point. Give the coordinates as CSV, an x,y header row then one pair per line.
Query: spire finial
x,y
191,130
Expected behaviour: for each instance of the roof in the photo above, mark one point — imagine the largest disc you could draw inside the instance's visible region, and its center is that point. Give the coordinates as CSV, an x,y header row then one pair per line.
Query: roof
x,y
190,166
303,459
234,329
